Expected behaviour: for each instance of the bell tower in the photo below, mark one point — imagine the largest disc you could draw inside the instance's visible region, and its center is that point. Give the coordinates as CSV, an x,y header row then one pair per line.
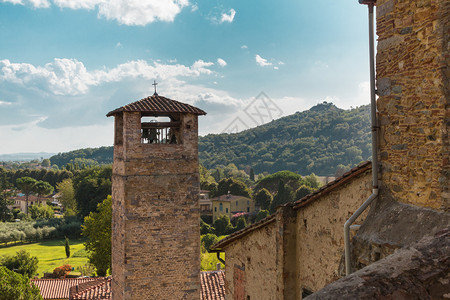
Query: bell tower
x,y
155,192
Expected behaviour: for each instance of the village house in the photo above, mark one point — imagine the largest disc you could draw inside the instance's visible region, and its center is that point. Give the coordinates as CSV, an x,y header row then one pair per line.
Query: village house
x,y
20,201
230,205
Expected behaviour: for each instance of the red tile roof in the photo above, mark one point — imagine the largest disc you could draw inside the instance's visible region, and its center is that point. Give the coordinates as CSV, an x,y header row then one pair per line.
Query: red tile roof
x,y
158,104
58,288
346,177
99,289
213,285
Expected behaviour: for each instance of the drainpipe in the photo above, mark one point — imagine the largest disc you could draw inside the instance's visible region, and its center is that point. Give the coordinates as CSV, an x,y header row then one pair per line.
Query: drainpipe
x,y
373,107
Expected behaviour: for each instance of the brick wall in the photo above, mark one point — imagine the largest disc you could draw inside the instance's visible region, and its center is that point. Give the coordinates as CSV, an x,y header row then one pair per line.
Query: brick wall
x,y
156,234
412,82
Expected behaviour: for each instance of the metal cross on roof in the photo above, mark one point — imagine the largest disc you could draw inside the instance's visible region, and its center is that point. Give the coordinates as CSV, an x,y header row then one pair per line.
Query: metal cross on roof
x,y
155,84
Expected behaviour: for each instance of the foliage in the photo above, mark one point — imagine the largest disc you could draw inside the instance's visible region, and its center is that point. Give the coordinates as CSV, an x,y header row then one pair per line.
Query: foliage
x,y
209,261
312,181
263,199
252,174
283,196
87,156
222,225
261,215
208,240
67,246
271,182
22,263
67,194
43,188
97,230
233,186
241,223
205,228
91,186
316,141
14,286
5,197
303,191
62,271
39,211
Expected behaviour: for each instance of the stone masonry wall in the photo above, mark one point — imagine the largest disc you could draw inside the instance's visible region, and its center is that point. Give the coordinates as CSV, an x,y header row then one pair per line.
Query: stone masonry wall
x,y
320,232
251,265
156,242
412,83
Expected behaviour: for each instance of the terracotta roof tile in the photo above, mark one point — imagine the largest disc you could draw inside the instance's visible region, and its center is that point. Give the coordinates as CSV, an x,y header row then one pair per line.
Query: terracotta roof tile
x,y
58,288
158,104
346,177
213,285
99,289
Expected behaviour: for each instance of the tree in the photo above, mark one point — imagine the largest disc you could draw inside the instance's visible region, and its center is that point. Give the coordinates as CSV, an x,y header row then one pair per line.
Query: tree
x,y
39,211
67,194
208,240
234,186
26,185
67,247
62,272
14,286
261,215
97,230
283,196
252,174
241,223
5,198
45,163
303,191
263,199
43,188
222,225
312,180
22,263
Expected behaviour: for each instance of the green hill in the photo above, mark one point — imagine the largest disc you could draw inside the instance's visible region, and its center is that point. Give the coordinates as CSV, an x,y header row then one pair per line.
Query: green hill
x,y
312,141
316,140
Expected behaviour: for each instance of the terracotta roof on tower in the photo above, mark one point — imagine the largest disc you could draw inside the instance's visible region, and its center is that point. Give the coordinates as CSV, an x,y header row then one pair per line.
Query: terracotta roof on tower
x,y
158,104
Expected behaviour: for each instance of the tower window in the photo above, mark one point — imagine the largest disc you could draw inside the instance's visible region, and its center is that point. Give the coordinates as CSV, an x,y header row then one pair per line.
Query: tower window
x,y
160,130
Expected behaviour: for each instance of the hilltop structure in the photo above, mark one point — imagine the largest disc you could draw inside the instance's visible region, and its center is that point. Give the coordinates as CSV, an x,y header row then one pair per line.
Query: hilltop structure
x,y
300,249
155,193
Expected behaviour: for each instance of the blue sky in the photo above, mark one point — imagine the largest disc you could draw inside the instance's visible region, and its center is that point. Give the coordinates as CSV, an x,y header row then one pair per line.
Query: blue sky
x,y
65,63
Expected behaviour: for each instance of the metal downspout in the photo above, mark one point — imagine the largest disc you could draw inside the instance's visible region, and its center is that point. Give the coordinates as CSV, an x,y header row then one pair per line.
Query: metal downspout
x,y
373,106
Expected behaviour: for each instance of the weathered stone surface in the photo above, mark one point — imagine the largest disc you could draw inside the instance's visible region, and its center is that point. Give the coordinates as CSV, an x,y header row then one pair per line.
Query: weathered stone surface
x,y
412,79
420,271
391,225
156,234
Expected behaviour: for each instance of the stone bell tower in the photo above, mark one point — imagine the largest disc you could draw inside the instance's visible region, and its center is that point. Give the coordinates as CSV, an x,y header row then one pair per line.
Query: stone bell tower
x,y
155,192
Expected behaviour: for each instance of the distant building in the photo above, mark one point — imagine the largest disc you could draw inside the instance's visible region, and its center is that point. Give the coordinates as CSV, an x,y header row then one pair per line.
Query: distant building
x,y
20,201
231,204
205,203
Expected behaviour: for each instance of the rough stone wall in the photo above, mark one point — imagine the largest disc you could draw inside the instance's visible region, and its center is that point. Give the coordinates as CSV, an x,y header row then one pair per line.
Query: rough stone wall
x,y
156,242
253,259
412,83
420,271
320,232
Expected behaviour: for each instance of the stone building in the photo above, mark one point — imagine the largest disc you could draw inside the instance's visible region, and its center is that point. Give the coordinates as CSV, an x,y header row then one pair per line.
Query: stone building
x,y
299,249
155,192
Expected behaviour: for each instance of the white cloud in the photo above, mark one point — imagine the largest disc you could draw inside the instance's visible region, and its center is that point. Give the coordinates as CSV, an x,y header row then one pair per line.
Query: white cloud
x,y
5,103
127,12
14,2
40,3
262,61
244,47
275,68
221,62
70,77
194,7
228,17
119,45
